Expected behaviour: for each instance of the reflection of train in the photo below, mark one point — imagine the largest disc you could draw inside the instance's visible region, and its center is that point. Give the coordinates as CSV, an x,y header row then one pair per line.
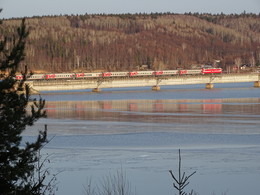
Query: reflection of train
x,y
53,76
127,109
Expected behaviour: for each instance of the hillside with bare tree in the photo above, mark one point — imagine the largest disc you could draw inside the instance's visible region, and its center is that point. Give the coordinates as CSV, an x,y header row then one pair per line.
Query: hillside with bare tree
x,y
127,41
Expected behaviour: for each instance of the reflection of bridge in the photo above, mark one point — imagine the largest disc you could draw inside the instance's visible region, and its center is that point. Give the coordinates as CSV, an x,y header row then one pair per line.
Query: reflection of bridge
x,y
155,82
124,108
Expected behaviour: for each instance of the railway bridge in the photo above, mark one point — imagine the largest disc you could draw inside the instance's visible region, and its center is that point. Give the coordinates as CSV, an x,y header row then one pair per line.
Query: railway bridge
x,y
154,81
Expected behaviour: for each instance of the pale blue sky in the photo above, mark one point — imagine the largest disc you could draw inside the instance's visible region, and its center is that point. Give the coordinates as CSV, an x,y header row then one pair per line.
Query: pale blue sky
x,y
21,8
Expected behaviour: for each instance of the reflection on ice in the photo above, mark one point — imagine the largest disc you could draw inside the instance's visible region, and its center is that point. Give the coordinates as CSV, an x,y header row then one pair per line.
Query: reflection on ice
x,y
147,168
83,109
219,138
132,116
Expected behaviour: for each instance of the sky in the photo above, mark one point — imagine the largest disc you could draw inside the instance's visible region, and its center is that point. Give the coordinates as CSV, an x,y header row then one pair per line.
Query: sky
x,y
28,8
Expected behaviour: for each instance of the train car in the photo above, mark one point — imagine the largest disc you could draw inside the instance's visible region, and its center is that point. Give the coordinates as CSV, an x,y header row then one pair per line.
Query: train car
x,y
183,72
119,74
106,74
114,74
211,71
36,77
190,72
50,76
65,76
158,72
131,74
97,74
60,76
31,77
170,72
79,75
194,72
141,73
92,74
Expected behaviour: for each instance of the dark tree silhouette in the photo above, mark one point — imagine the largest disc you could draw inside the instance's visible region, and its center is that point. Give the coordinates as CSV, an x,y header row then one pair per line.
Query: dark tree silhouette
x,y
18,160
181,181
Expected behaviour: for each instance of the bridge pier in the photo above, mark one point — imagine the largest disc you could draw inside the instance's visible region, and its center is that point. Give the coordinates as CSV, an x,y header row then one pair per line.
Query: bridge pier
x,y
96,90
257,84
156,88
209,86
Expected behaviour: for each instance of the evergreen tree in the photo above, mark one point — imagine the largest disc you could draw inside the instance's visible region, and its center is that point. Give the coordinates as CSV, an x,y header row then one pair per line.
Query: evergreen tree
x,y
18,160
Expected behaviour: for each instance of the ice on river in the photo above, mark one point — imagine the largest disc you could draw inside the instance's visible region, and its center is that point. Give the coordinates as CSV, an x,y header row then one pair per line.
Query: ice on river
x,y
97,134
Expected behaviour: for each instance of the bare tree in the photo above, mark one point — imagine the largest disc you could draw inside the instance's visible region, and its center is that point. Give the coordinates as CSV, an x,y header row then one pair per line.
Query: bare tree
x,y
238,62
110,185
252,61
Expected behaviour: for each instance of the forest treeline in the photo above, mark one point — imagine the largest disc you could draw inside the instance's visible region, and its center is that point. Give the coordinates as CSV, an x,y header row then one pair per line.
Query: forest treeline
x,y
124,42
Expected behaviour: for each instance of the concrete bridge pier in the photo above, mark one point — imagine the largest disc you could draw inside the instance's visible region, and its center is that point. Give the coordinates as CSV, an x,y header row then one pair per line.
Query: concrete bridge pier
x,y
257,84
156,88
209,86
96,90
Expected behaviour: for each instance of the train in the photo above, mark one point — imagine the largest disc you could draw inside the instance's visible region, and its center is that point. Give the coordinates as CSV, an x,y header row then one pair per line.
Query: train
x,y
56,76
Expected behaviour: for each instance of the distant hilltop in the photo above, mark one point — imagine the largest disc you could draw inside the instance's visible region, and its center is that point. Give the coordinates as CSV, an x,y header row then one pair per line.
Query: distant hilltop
x,y
125,42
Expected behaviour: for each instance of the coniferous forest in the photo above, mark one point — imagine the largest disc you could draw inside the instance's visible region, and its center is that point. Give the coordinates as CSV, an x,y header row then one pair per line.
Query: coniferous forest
x,y
123,42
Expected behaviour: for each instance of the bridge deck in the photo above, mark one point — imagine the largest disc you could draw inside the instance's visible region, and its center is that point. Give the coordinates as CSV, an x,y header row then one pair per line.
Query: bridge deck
x,y
53,85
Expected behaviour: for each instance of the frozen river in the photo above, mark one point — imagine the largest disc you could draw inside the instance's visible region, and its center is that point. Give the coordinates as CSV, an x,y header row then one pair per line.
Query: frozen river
x,y
140,131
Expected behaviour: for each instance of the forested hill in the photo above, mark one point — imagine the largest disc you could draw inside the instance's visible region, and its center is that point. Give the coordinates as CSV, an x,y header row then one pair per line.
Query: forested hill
x,y
126,41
